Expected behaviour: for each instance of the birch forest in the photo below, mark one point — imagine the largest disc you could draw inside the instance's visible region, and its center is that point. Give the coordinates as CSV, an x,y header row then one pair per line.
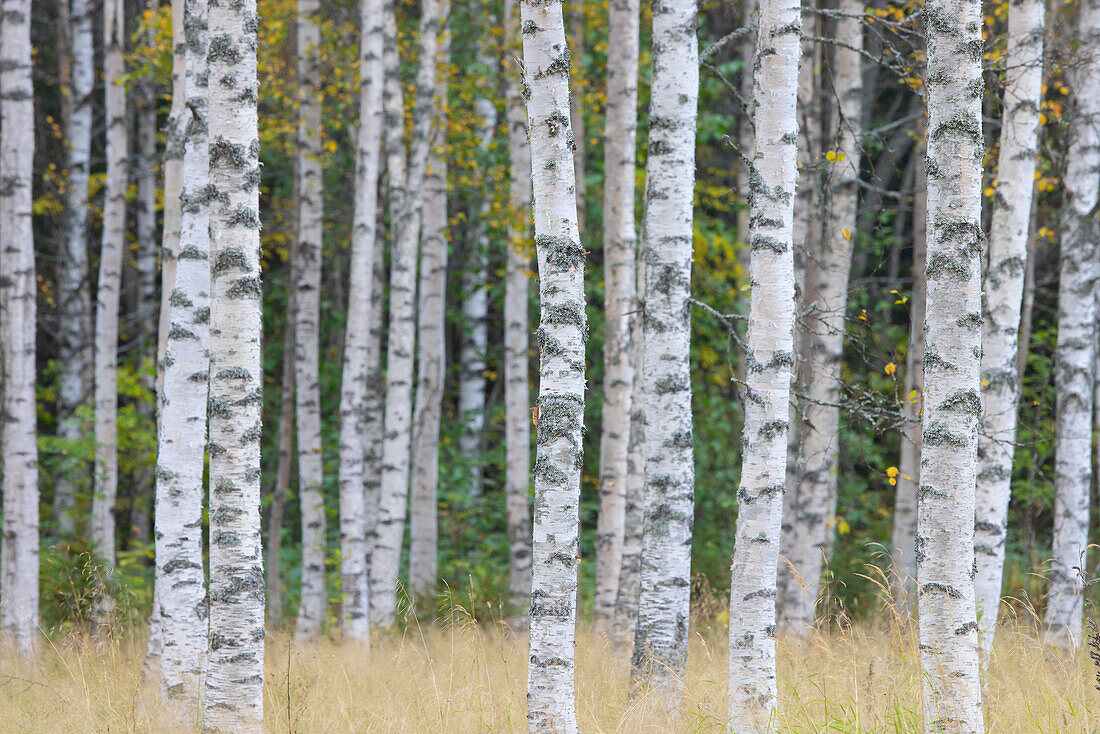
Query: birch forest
x,y
546,366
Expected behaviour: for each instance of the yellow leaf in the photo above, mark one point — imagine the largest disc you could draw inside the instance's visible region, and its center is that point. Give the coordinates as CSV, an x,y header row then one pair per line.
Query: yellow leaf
x,y
847,233
891,471
890,368
830,156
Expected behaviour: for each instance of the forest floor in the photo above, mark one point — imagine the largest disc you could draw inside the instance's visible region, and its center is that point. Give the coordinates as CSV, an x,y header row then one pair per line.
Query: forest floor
x,y
469,678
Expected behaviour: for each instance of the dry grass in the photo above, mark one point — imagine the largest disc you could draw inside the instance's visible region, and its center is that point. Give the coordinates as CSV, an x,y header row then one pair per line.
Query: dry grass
x,y
466,678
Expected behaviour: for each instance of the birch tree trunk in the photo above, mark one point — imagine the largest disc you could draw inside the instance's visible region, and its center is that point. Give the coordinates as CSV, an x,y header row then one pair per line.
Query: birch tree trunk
x,y
373,404
952,407
307,388
551,708
825,292
107,298
170,236
18,291
354,554
234,682
619,242
431,341
285,444
576,108
517,432
626,601
1004,284
181,438
752,687
406,194
1073,377
74,326
661,635
904,559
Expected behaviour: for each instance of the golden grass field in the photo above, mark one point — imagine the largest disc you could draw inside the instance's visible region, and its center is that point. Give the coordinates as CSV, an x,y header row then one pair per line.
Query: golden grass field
x,y
463,677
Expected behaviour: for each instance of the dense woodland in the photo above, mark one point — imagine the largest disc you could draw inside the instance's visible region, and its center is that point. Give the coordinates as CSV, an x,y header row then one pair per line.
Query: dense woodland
x,y
336,317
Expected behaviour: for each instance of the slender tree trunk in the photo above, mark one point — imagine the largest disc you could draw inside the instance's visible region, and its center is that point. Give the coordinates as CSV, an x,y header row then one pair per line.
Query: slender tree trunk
x,y
953,341
475,302
808,238
170,236
752,687
285,444
903,575
181,440
173,166
354,554
1004,284
626,602
234,682
619,242
1076,344
74,328
18,291
307,388
576,107
560,409
517,431
107,299
825,293
661,635
431,341
407,204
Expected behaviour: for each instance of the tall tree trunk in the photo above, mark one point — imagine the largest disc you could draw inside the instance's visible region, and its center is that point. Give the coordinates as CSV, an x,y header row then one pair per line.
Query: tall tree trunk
x,y
307,286
431,341
661,635
952,352
619,242
1004,284
825,293
373,403
285,447
1076,343
107,299
517,431
170,236
181,439
551,707
808,237
626,601
903,575
576,107
74,328
18,291
475,302
752,687
354,583
407,201
234,682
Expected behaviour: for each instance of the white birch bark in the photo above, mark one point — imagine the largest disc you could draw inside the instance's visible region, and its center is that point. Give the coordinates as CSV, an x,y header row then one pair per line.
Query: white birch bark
x,y
1073,377
903,574
373,403
560,408
74,297
825,293
517,330
170,236
406,194
354,584
661,634
575,39
619,243
431,342
18,291
952,407
307,388
181,438
752,687
107,298
233,698
173,168
1004,284
626,600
